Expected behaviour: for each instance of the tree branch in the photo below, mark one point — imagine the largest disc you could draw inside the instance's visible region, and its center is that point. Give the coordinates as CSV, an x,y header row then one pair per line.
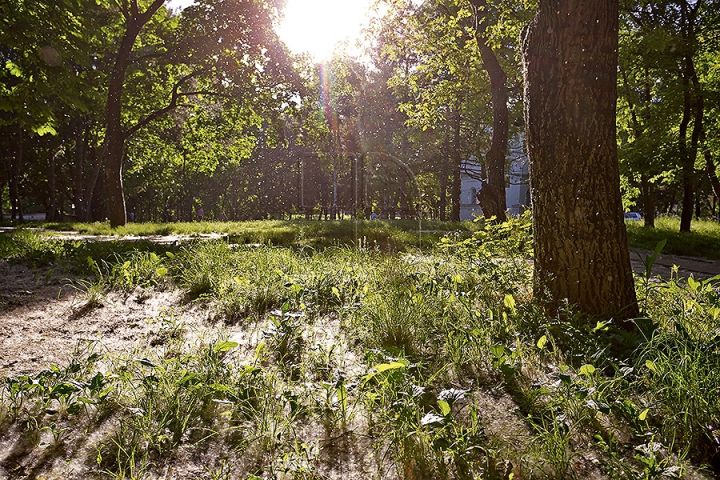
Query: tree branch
x,y
151,10
169,107
125,9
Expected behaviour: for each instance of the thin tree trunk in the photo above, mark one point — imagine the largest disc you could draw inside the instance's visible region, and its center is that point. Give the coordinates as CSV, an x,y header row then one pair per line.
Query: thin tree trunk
x,y
443,184
492,200
52,208
15,208
113,150
710,169
692,97
456,167
646,190
570,69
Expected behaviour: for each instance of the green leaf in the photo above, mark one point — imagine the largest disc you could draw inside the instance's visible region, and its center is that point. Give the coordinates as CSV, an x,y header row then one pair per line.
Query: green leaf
x,y
587,370
498,351
13,68
541,342
161,271
224,346
384,367
651,365
601,326
444,407
693,284
643,415
44,129
509,302
650,261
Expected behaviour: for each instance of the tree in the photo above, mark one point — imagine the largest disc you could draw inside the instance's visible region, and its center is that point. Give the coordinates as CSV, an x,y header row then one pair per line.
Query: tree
x,y
440,83
665,99
219,48
580,244
492,196
39,42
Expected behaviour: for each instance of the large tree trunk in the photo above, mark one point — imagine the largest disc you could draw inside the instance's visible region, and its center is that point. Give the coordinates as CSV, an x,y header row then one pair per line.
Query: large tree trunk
x,y
570,69
492,196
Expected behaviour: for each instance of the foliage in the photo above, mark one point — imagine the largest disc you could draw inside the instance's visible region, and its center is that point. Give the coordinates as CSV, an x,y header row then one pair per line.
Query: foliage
x,y
700,242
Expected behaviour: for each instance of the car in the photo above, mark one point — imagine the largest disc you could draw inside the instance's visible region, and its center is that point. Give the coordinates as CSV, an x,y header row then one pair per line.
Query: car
x,y
634,216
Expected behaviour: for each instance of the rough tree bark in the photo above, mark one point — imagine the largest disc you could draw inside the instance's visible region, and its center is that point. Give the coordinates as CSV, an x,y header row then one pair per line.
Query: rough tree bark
x,y
492,196
570,68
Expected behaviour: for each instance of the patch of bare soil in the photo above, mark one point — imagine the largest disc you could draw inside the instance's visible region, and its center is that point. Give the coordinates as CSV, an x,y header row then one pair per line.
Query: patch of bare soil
x,y
44,315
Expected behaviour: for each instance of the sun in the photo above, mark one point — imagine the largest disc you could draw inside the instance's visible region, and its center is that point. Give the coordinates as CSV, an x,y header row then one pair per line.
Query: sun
x,y
316,26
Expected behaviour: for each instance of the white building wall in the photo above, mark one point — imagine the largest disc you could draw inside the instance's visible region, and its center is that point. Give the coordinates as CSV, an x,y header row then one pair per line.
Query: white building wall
x,y
516,193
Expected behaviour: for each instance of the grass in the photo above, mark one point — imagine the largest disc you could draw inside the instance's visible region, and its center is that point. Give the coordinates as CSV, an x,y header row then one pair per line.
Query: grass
x,y
417,339
394,235
388,235
702,241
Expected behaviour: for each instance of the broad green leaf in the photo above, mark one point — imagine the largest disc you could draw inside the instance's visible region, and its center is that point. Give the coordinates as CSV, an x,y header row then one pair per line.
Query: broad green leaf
x,y
13,68
384,367
224,346
161,271
541,342
498,351
643,414
587,370
444,407
44,129
509,302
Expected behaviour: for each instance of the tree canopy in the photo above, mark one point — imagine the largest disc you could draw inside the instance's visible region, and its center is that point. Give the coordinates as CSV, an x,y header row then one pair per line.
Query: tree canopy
x,y
124,105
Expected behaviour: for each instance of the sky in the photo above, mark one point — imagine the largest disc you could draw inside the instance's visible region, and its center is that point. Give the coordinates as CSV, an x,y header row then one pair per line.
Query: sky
x,y
316,26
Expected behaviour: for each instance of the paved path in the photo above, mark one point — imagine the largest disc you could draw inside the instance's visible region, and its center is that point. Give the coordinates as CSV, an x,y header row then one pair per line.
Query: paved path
x,y
700,268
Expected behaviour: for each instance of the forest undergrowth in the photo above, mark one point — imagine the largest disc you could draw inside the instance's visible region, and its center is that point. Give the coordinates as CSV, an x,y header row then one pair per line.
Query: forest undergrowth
x,y
355,362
